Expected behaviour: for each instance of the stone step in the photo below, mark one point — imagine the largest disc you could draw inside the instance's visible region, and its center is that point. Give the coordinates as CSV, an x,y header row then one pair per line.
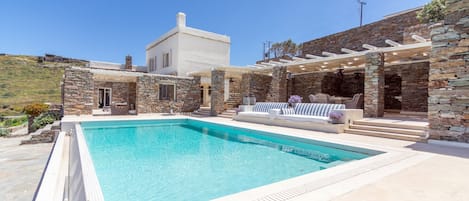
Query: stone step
x,y
386,135
392,124
388,130
223,115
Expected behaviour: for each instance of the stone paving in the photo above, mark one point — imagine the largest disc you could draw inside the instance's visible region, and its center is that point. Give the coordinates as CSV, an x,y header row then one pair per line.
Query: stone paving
x,y
21,168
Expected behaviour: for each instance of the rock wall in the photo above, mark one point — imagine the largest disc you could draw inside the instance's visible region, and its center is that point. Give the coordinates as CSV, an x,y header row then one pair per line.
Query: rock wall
x,y
257,85
448,102
415,86
78,88
306,84
398,28
187,94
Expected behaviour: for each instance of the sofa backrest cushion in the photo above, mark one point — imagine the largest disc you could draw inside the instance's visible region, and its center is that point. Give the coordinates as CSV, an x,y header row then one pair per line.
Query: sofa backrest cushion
x,y
288,111
266,106
316,109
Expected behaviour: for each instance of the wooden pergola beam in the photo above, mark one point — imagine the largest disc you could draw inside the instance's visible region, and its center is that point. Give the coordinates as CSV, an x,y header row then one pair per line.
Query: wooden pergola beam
x,y
370,47
392,43
329,54
348,51
310,56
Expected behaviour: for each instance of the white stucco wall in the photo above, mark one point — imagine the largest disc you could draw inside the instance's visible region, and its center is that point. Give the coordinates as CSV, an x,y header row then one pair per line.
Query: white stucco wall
x,y
167,44
197,51
191,49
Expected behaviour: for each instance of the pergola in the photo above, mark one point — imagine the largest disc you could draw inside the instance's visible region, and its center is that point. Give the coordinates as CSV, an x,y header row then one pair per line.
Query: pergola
x,y
372,61
350,59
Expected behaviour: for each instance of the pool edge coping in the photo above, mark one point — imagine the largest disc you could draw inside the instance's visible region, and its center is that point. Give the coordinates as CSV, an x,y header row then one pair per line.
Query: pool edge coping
x,y
282,190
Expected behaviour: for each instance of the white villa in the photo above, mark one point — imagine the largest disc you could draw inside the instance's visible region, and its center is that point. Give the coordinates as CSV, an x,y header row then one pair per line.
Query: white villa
x,y
184,50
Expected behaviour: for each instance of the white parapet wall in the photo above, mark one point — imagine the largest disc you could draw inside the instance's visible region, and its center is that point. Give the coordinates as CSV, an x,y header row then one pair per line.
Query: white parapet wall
x,y
70,173
54,181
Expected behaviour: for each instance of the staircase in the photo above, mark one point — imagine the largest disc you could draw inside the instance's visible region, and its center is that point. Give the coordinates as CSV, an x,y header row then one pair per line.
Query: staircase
x,y
234,100
202,112
205,112
387,128
227,114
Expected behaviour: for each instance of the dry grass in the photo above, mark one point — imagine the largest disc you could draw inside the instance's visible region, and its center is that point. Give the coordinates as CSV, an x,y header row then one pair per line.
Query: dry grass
x,y
23,81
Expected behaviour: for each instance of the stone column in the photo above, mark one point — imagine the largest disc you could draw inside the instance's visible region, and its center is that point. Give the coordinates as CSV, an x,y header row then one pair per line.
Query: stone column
x,y
374,85
245,84
78,91
448,86
278,86
218,92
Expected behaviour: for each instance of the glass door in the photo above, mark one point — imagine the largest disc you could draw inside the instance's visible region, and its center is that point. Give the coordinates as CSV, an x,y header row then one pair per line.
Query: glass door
x,y
104,97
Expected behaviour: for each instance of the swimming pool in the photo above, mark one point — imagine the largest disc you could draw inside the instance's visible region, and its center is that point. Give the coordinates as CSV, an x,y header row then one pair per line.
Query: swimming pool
x,y
186,159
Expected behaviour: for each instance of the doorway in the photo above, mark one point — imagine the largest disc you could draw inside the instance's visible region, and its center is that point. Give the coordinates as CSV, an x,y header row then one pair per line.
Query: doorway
x,y
104,97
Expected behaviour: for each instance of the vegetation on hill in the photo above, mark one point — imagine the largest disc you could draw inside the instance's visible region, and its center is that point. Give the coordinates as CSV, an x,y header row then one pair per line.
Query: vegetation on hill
x,y
432,12
23,80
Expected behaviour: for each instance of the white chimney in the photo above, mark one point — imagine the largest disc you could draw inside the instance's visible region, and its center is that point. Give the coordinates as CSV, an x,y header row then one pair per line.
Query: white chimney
x,y
181,19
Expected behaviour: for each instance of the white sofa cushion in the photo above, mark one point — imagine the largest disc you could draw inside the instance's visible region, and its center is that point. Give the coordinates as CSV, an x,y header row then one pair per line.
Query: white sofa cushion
x,y
304,118
254,114
316,109
266,106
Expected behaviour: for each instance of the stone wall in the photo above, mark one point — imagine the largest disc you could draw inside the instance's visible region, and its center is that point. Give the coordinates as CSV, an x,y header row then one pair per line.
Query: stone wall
x,y
392,89
448,102
257,85
350,85
187,94
78,88
415,86
395,28
306,84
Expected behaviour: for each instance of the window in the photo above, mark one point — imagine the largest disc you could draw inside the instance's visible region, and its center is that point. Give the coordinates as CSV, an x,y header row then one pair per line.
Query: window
x,y
166,60
152,64
155,66
167,92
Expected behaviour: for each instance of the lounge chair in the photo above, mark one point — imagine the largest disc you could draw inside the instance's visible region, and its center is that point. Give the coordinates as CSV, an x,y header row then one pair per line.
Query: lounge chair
x,y
319,98
355,103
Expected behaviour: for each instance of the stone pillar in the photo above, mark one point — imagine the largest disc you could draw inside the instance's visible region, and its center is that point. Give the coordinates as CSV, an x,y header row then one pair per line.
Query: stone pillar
x,y
245,84
278,86
218,92
374,85
78,91
448,86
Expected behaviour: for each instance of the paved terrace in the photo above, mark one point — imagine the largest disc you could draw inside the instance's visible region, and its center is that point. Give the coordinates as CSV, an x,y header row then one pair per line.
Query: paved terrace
x,y
21,168
438,176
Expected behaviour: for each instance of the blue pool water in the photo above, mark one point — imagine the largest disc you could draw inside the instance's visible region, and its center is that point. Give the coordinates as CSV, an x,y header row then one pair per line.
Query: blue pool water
x,y
194,160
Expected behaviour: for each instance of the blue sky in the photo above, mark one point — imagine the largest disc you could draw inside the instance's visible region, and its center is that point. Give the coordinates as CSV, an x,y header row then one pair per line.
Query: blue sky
x,y
107,30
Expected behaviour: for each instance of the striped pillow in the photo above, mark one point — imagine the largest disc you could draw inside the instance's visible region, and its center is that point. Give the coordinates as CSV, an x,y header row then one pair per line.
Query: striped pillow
x,y
288,111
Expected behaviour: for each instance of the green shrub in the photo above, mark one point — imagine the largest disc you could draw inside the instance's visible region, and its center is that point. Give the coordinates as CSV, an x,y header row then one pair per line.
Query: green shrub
x,y
15,121
432,12
42,120
3,132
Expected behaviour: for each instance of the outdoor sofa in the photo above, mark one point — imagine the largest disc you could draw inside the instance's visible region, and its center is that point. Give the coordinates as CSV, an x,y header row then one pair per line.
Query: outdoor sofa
x,y
311,116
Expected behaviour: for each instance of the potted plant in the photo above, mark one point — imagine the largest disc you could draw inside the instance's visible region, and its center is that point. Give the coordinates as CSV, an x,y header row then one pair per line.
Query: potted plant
x,y
294,99
335,117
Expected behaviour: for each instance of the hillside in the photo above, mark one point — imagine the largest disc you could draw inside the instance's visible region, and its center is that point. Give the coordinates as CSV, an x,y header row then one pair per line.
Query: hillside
x,y
24,80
